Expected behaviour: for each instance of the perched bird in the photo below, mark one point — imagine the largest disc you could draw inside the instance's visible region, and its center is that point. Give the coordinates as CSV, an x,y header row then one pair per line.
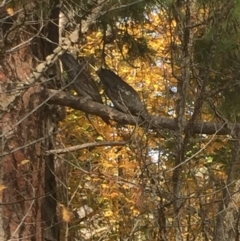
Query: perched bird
x,y
83,83
122,95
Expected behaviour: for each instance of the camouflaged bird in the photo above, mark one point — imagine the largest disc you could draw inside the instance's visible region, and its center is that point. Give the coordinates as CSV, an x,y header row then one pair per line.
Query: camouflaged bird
x,y
83,83
122,95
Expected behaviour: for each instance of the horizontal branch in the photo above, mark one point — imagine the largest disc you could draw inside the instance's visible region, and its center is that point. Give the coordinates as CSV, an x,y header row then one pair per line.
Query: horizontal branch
x,y
87,145
91,107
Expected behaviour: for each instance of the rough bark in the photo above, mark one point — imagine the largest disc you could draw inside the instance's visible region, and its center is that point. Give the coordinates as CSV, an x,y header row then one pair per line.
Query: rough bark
x,y
186,37
49,207
27,128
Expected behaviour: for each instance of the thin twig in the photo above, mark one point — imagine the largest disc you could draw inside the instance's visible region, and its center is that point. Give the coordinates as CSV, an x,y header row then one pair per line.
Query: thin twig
x,y
87,145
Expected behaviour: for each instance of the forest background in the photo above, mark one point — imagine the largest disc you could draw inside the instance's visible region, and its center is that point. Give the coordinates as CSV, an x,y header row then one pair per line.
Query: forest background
x,y
67,175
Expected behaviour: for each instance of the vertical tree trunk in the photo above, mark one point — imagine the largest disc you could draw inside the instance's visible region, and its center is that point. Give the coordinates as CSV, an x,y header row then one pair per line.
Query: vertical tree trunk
x,y
186,37
27,127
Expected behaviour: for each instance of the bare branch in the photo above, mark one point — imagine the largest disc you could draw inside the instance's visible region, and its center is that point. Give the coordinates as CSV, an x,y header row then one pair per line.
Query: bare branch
x,y
91,107
87,145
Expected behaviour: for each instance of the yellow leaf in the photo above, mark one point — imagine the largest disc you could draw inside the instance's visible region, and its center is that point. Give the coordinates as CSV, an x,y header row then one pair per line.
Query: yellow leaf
x,y
23,162
2,187
103,185
67,215
108,213
99,138
114,194
10,11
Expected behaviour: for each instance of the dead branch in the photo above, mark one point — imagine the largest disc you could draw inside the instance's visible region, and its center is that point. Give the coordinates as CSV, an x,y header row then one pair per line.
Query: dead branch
x,y
87,145
66,99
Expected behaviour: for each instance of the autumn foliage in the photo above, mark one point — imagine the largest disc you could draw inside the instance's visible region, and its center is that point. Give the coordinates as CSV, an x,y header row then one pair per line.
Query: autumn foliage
x,y
136,180
132,189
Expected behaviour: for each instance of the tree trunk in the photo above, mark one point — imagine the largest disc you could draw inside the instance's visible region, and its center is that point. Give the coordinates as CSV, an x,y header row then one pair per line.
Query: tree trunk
x,y
28,184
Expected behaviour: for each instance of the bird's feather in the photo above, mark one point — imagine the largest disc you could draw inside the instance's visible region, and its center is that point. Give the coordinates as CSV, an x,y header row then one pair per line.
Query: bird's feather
x,y
122,95
83,83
